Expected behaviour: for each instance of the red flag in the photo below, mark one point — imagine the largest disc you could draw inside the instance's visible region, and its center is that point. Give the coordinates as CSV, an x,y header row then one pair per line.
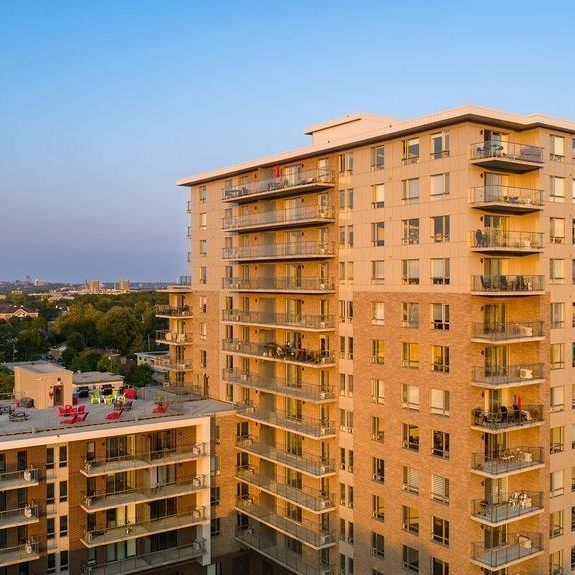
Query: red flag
x,y
277,171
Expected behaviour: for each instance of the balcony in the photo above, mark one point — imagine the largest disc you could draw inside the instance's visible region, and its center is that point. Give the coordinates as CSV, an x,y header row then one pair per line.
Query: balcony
x,y
110,535
144,460
507,418
174,311
507,199
147,561
282,320
315,538
507,156
309,285
280,554
184,285
508,461
18,517
314,500
308,215
504,333
301,424
26,553
499,242
305,391
285,251
506,286
309,181
501,376
523,546
19,479
275,352
172,364
308,463
521,504
173,338
100,501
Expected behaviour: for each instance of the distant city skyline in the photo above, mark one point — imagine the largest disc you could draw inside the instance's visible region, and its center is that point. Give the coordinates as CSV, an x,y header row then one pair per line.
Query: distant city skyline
x,y
104,105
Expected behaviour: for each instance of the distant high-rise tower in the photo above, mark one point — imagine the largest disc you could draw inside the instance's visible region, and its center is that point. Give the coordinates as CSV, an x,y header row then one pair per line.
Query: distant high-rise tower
x,y
93,286
124,285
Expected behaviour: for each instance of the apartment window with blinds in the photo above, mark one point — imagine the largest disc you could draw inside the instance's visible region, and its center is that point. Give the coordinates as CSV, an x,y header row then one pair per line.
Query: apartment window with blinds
x,y
411,231
410,396
556,483
410,151
558,399
410,315
440,271
410,519
378,351
557,271
440,402
378,313
203,221
556,527
377,157
556,189
410,559
377,545
378,469
440,358
410,272
377,507
378,192
378,234
377,271
440,229
410,355
557,352
440,489
440,316
557,148
557,230
410,192
557,314
377,390
439,186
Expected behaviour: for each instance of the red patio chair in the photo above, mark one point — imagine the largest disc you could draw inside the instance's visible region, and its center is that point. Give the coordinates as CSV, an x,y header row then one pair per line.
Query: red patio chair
x,y
160,409
81,409
82,416
71,420
62,412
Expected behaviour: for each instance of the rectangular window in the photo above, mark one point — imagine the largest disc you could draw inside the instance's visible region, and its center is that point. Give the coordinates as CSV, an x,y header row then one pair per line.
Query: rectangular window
x,y
557,355
411,231
440,446
378,469
203,221
377,545
440,358
556,483
556,189
410,193
557,271
439,145
377,507
215,527
410,559
345,163
377,157
63,491
440,229
410,355
203,274
378,351
557,230
411,436
378,390
410,396
557,315
439,567
410,519
378,233
557,399
203,248
410,151
350,236
377,428
410,272
439,489
557,148
440,316
440,271
440,531
63,525
378,313
202,194
410,314
378,192
63,456
377,271
439,402
439,186
557,439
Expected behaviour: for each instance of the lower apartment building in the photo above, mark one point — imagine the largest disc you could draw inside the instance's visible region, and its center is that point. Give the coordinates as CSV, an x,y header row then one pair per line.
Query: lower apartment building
x,y
113,483
391,311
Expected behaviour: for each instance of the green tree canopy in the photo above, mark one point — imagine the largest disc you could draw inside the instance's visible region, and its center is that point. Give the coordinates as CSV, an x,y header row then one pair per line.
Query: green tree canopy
x,y
120,329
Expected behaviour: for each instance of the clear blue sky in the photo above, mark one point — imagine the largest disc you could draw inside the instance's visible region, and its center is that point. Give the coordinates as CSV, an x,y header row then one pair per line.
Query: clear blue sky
x,y
104,104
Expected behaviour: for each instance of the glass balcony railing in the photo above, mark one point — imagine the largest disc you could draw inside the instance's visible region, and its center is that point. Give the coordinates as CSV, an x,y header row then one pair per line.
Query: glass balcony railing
x,y
519,504
172,337
294,216
488,239
29,551
508,198
272,384
510,156
280,284
173,364
290,320
506,461
279,185
275,351
23,516
309,463
290,250
501,375
507,417
507,284
19,479
522,545
173,311
317,538
315,500
502,332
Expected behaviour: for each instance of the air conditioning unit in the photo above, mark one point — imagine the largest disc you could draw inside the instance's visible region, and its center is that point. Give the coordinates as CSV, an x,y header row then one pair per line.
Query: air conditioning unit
x,y
88,501
325,503
325,571
198,512
324,469
325,538
29,547
377,477
526,373
27,476
377,436
244,376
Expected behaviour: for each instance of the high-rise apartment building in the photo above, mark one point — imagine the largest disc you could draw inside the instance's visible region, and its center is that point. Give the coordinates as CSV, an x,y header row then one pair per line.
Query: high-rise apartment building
x,y
391,309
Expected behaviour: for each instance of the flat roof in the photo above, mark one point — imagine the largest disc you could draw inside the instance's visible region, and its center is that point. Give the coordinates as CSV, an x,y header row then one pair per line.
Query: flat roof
x,y
398,128
38,367
92,377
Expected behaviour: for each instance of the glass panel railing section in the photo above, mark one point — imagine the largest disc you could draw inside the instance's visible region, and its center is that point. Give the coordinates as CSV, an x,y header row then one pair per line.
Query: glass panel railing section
x,y
506,240
290,249
19,553
521,545
507,150
275,283
507,283
276,351
18,479
509,196
508,374
173,311
294,215
12,517
308,179
174,337
509,460
518,503
291,320
505,331
507,416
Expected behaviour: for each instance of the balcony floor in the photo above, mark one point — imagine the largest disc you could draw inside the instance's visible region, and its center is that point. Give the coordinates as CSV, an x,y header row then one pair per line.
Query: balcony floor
x,y
505,556
505,513
13,557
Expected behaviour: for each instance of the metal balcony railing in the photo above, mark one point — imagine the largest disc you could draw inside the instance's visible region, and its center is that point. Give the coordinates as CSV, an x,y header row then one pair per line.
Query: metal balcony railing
x,y
508,197
302,461
313,537
489,238
29,551
290,250
313,499
507,283
174,337
174,311
310,179
298,216
279,385
519,503
19,479
506,331
507,461
275,351
507,417
521,546
173,364
13,517
287,284
507,150
499,375
280,554
290,320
